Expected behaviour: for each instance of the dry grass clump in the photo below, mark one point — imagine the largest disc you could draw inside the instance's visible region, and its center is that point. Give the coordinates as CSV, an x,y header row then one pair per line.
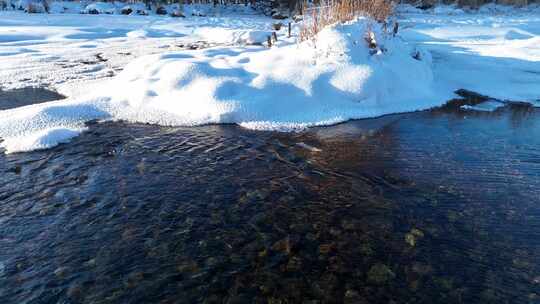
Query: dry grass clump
x,y
330,12
34,8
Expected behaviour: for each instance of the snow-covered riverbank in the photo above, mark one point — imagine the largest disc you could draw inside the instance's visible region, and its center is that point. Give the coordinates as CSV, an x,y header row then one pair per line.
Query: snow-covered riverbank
x,y
287,87
58,49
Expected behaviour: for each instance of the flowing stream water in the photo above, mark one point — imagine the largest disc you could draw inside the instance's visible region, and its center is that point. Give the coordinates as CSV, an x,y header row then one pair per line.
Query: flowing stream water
x,y
440,206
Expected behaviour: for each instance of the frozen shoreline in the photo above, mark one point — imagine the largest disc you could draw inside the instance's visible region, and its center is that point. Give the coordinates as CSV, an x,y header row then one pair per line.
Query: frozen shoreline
x,y
288,87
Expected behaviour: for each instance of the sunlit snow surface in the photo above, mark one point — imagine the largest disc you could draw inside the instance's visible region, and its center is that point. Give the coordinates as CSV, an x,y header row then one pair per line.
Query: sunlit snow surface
x,y
496,55
288,87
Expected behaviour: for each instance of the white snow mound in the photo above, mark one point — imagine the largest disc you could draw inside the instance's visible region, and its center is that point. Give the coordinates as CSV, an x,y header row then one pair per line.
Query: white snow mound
x,y
287,87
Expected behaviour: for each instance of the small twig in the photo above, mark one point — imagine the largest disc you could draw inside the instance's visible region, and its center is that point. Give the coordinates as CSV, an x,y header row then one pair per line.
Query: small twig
x,y
289,30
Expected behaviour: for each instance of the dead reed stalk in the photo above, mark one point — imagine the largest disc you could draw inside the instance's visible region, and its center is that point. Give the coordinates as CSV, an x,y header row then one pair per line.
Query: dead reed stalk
x,y
330,12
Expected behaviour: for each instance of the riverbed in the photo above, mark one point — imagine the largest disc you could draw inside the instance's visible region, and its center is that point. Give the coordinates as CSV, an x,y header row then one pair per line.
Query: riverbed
x,y
434,206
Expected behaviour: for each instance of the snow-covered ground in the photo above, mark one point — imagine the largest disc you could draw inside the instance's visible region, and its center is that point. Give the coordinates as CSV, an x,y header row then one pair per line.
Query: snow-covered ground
x,y
494,54
55,49
287,87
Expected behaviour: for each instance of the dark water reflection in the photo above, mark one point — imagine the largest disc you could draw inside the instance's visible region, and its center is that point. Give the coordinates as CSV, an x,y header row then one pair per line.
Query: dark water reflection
x,y
431,207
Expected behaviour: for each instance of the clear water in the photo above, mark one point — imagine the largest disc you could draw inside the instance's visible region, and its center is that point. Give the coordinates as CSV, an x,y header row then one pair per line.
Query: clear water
x,y
431,207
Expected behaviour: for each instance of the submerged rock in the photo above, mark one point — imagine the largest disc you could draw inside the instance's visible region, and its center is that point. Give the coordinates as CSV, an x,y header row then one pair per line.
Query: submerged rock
x,y
60,272
380,273
413,236
352,296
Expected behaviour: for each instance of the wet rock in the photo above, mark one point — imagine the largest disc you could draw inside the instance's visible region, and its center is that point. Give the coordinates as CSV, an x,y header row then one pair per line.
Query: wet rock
x,y
90,263
126,11
422,269
177,14
74,291
410,239
294,264
444,282
348,225
521,263
187,267
380,274
279,17
211,262
61,272
285,245
335,232
452,216
212,299
267,288
335,264
325,248
352,297
253,196
417,232
241,298
414,285
425,6
365,249
489,296
161,11
133,279
311,236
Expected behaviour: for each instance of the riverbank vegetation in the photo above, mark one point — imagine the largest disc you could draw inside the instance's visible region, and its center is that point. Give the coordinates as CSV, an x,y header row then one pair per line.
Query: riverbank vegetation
x,y
328,12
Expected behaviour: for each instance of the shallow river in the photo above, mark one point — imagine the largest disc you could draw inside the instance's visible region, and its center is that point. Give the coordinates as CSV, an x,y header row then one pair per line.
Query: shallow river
x,y
440,206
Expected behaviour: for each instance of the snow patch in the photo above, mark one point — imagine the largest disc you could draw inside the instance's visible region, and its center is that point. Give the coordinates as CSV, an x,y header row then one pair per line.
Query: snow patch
x,y
486,106
42,139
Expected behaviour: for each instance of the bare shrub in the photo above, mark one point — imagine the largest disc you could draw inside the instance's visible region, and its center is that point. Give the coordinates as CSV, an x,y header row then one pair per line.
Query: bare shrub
x,y
340,11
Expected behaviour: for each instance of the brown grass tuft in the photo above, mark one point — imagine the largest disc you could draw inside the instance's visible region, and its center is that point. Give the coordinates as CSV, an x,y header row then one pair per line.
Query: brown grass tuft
x,y
330,12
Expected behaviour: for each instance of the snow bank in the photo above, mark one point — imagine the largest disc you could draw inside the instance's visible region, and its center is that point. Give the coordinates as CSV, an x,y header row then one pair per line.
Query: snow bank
x,y
43,139
289,87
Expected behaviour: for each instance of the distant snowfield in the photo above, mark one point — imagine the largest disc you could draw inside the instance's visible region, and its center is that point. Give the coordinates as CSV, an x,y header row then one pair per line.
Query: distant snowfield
x,y
143,74
495,55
